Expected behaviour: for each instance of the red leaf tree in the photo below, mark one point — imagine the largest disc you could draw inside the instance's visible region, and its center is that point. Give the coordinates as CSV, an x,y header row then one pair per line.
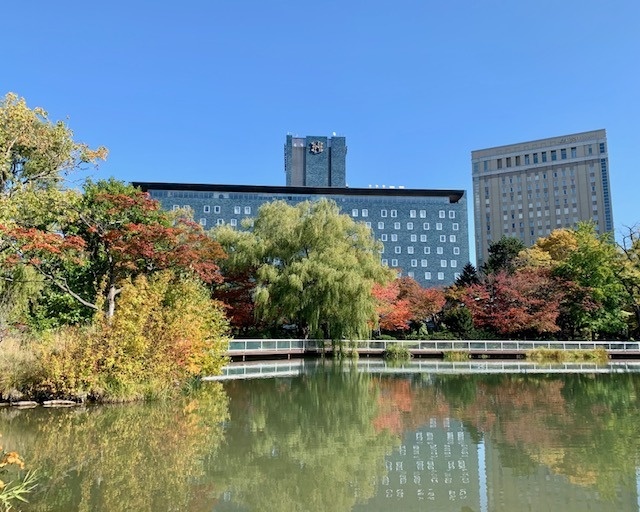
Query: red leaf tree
x,y
524,303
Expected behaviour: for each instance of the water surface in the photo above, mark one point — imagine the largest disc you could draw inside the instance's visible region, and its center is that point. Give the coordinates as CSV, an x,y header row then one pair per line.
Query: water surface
x,y
341,438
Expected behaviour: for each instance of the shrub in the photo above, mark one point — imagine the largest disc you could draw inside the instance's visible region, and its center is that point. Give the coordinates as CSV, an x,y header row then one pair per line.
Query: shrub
x,y
165,332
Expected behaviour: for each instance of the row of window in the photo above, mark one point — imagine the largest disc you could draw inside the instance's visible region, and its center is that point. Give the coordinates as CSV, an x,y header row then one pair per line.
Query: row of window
x,y
410,225
427,275
414,238
542,157
412,213
425,250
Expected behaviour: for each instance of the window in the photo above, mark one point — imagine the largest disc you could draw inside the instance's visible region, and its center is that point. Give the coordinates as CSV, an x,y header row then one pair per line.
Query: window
x,y
452,214
394,213
410,250
427,276
247,210
443,263
383,237
394,263
427,250
554,155
412,214
423,238
219,222
398,249
365,212
499,163
535,158
394,238
414,263
485,165
602,150
237,210
452,238
423,263
563,154
380,225
414,238
508,161
383,213
544,156
233,222
216,209
518,160
425,226
443,238
409,225
207,208
396,225
368,224
439,250
423,214
455,226
456,276
526,160
411,274
354,212
385,262
441,214
440,276
176,207
203,222
453,263
439,226
456,250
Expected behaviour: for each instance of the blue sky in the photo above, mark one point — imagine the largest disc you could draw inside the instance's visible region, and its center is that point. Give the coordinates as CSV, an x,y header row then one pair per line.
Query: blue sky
x,y
205,91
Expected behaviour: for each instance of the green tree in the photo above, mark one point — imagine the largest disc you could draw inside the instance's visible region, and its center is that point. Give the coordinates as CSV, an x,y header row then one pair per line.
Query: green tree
x,y
315,268
34,151
502,255
630,272
468,276
594,293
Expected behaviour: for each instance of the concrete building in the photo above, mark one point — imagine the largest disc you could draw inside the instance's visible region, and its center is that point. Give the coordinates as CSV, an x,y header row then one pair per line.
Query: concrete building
x,y
424,232
315,161
527,190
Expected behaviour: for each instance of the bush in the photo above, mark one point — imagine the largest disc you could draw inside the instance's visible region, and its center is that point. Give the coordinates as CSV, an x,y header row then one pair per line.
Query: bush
x,y
566,356
397,352
165,332
14,490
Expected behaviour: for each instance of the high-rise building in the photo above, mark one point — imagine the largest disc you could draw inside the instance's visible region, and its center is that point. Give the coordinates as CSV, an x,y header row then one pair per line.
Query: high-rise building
x,y
315,161
424,233
527,190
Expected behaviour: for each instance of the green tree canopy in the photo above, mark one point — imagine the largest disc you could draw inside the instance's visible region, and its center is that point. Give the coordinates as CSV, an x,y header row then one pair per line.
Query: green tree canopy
x,y
315,268
502,255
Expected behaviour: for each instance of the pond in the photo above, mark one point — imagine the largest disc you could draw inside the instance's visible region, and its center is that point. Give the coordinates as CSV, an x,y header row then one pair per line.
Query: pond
x,y
322,437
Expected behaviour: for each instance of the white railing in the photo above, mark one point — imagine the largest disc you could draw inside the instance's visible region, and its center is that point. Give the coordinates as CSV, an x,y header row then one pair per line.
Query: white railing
x,y
294,368
239,347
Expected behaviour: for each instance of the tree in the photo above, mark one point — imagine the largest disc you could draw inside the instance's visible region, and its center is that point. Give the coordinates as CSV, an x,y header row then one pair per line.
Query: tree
x,y
630,270
524,303
594,293
468,276
315,268
111,233
424,303
394,313
502,255
34,151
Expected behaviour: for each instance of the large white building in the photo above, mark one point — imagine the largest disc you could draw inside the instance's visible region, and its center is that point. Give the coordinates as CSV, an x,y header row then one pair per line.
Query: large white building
x,y
527,190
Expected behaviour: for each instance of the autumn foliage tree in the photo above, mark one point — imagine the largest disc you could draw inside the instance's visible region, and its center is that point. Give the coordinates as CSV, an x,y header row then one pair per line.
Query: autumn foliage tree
x,y
525,303
111,233
394,313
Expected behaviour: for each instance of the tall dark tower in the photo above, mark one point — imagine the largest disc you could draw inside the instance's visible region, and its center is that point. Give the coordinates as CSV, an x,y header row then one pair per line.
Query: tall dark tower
x,y
315,161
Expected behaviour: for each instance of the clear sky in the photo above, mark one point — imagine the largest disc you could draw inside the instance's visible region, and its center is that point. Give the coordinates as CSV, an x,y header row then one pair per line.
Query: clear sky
x,y
205,91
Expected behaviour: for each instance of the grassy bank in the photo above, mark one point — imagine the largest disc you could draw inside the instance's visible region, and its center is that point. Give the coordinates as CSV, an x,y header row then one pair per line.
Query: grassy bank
x,y
545,355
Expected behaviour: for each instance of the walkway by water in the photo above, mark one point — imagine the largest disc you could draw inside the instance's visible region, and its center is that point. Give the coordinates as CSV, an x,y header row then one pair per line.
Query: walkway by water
x,y
270,348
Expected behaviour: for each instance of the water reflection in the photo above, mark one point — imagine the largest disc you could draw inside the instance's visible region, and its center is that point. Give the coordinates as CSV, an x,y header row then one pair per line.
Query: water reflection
x,y
122,457
335,438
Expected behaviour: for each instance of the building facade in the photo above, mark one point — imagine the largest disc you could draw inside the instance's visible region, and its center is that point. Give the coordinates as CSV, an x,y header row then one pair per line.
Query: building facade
x,y
527,190
424,232
315,161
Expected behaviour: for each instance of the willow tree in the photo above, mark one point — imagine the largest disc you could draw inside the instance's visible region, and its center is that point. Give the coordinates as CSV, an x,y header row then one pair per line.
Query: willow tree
x,y
315,268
